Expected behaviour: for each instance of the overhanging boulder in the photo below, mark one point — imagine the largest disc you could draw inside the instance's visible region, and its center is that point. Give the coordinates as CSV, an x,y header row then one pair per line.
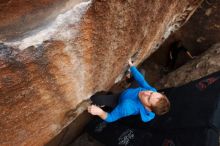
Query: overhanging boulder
x,y
49,68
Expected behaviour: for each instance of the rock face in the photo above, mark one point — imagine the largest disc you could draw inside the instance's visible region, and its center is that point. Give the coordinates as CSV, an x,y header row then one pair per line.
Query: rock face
x,y
207,63
54,55
207,31
197,35
20,16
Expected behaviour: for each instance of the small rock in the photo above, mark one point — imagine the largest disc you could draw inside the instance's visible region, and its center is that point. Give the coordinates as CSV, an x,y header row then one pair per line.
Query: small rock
x,y
200,39
208,12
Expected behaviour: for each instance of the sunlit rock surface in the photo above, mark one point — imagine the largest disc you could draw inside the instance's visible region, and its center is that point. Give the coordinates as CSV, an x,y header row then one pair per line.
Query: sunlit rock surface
x,y
207,63
55,54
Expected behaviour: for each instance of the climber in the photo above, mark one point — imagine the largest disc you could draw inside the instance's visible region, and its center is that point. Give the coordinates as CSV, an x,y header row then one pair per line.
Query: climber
x,y
142,99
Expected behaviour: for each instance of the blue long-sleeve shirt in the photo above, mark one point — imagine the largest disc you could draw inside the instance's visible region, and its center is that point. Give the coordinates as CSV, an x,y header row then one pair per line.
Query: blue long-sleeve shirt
x,y
129,103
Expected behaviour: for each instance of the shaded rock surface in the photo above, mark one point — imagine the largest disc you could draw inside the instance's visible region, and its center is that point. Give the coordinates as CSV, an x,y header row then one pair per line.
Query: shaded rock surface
x,y
203,29
202,23
49,68
205,64
86,140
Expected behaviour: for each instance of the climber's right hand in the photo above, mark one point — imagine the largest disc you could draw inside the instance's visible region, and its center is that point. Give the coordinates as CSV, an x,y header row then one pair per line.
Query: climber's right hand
x,y
130,62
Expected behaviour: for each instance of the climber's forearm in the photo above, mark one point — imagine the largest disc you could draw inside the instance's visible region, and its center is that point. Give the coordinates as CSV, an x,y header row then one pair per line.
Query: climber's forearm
x,y
103,115
95,110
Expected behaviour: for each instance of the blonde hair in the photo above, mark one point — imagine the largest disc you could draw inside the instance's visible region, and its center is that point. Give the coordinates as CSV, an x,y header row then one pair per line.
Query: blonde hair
x,y
162,106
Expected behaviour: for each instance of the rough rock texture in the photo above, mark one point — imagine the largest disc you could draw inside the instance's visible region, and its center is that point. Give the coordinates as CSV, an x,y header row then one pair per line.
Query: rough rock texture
x,y
205,64
46,74
72,131
206,28
20,16
197,35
